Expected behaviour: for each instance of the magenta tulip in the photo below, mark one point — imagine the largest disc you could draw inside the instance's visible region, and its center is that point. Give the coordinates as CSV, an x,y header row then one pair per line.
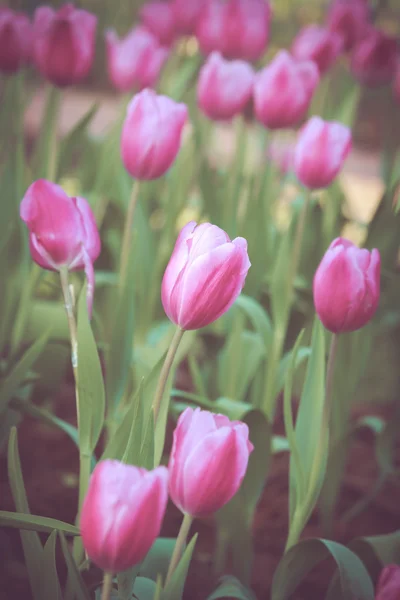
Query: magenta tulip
x,y
208,461
349,19
159,18
236,29
283,91
64,43
388,587
204,276
62,231
320,152
187,13
224,87
347,286
375,58
15,40
134,62
319,45
122,514
151,135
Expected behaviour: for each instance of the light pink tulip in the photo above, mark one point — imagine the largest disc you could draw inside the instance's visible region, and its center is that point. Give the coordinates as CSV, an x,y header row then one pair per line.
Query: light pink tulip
x,y
347,286
122,514
64,43
388,587
320,152
374,59
62,231
224,87
187,13
319,45
349,19
151,135
208,461
134,61
204,276
236,29
15,40
282,156
283,91
159,18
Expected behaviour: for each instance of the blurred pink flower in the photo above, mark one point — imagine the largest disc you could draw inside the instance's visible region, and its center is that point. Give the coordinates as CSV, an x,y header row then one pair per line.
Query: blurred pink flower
x,y
282,156
374,59
350,19
15,40
319,45
187,13
388,587
159,18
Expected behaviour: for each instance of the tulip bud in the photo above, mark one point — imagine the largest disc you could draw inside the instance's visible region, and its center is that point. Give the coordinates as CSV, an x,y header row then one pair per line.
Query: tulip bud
x,y
208,461
204,276
224,88
317,44
388,587
64,43
187,13
236,29
349,19
151,135
347,286
283,91
158,17
62,231
320,152
15,40
374,59
122,514
134,61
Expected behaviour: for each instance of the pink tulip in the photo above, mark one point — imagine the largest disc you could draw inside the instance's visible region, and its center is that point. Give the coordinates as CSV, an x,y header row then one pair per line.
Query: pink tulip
x,y
204,276
159,18
282,156
388,587
187,13
15,40
208,461
347,286
320,152
236,29
224,88
317,44
122,514
62,231
283,91
151,135
64,43
374,59
349,19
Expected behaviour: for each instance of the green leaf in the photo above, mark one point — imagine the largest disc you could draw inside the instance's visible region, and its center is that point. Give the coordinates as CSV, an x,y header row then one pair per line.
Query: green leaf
x,y
258,317
354,580
157,561
90,382
126,581
230,587
74,577
74,139
302,354
377,551
35,523
50,582
20,371
144,589
174,589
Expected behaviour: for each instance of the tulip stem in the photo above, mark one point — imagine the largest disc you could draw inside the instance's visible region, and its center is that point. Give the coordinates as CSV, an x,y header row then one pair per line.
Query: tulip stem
x,y
128,233
179,546
297,244
166,368
107,586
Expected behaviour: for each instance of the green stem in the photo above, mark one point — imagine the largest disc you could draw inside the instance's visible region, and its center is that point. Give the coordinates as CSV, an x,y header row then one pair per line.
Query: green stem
x,y
274,359
47,151
23,309
297,244
235,182
162,382
128,234
179,546
107,586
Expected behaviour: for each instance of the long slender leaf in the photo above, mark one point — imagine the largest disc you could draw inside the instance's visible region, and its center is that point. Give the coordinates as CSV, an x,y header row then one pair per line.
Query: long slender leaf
x,y
174,589
74,576
50,582
35,523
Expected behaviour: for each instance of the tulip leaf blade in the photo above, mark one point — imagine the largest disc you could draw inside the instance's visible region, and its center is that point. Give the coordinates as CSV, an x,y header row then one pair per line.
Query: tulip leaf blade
x,y
230,587
144,588
50,582
74,138
28,522
258,317
74,576
174,589
377,551
157,560
354,580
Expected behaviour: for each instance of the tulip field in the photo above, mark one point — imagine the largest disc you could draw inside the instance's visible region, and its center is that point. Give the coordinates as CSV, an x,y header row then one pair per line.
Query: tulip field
x,y
199,303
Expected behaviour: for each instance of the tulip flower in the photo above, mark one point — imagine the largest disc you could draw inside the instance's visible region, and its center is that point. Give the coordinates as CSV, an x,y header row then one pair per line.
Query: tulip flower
x,y
62,231
122,514
204,276
349,19
282,156
388,587
283,91
224,87
375,58
347,286
151,135
237,29
318,44
159,18
64,43
208,461
187,13
134,61
15,40
320,152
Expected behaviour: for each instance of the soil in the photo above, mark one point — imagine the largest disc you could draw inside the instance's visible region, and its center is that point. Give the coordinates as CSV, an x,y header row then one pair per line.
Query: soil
x,y
50,462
